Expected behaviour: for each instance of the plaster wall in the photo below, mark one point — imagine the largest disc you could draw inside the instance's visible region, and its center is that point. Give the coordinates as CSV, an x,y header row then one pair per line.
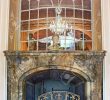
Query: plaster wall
x,y
106,46
4,8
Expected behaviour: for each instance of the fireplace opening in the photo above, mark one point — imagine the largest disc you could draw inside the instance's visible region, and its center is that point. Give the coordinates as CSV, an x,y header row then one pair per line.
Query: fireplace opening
x,y
54,84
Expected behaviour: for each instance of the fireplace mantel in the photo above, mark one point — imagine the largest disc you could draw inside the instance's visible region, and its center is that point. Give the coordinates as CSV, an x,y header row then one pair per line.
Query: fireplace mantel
x,y
101,53
88,64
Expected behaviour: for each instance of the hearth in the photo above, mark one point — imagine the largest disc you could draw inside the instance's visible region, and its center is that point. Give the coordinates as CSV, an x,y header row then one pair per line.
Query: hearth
x,y
53,84
55,75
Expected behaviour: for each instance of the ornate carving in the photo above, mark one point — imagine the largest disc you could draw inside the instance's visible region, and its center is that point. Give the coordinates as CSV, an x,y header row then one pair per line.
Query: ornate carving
x,y
18,59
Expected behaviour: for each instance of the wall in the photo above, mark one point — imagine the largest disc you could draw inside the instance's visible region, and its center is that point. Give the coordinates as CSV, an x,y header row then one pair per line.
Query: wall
x,y
106,46
4,7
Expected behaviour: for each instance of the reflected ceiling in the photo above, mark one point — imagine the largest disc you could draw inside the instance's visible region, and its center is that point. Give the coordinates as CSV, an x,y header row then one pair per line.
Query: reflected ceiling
x,y
49,3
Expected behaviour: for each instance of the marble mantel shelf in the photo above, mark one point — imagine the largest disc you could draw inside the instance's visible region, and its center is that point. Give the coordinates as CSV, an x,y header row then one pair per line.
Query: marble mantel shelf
x,y
63,58
101,53
56,58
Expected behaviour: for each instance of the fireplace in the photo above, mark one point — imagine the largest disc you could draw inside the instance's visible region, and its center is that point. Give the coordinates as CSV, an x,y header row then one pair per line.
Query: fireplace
x,y
55,75
53,84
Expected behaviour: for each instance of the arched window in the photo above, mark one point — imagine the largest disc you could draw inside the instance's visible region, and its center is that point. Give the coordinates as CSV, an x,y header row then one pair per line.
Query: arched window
x,y
40,22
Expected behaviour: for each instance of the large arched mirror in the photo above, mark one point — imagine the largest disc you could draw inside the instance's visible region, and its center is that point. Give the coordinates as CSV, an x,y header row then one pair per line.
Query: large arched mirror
x,y
34,22
41,19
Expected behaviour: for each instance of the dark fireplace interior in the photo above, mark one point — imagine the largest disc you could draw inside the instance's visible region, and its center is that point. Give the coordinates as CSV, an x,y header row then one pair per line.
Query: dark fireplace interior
x,y
54,84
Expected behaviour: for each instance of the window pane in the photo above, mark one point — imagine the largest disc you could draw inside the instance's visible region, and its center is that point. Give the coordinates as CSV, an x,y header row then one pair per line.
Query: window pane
x,y
43,39
78,13
24,46
51,12
69,13
78,34
34,24
42,34
67,3
24,36
88,35
31,42
87,15
24,25
36,34
45,3
43,24
70,43
33,14
25,15
42,13
79,44
78,3
33,4
25,5
78,24
87,4
88,45
87,25
63,12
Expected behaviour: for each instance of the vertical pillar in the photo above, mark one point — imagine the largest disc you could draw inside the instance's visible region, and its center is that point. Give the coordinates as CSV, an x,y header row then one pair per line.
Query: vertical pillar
x,y
13,25
4,19
97,31
87,90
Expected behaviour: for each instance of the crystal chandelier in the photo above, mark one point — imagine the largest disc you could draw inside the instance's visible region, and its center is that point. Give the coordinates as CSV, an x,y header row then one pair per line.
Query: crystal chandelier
x,y
59,26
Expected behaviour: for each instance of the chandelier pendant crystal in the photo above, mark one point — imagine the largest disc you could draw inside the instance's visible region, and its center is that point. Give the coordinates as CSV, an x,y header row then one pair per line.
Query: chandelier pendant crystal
x,y
59,26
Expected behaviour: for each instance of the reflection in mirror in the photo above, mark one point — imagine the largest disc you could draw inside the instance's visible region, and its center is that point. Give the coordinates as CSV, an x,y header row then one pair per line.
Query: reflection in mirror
x,y
36,17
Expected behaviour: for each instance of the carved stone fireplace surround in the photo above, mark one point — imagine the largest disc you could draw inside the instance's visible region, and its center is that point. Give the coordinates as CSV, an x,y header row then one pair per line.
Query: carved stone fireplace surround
x,y
87,64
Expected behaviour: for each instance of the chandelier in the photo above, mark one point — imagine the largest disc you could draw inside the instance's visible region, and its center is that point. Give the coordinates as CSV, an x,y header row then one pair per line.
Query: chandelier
x,y
59,26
